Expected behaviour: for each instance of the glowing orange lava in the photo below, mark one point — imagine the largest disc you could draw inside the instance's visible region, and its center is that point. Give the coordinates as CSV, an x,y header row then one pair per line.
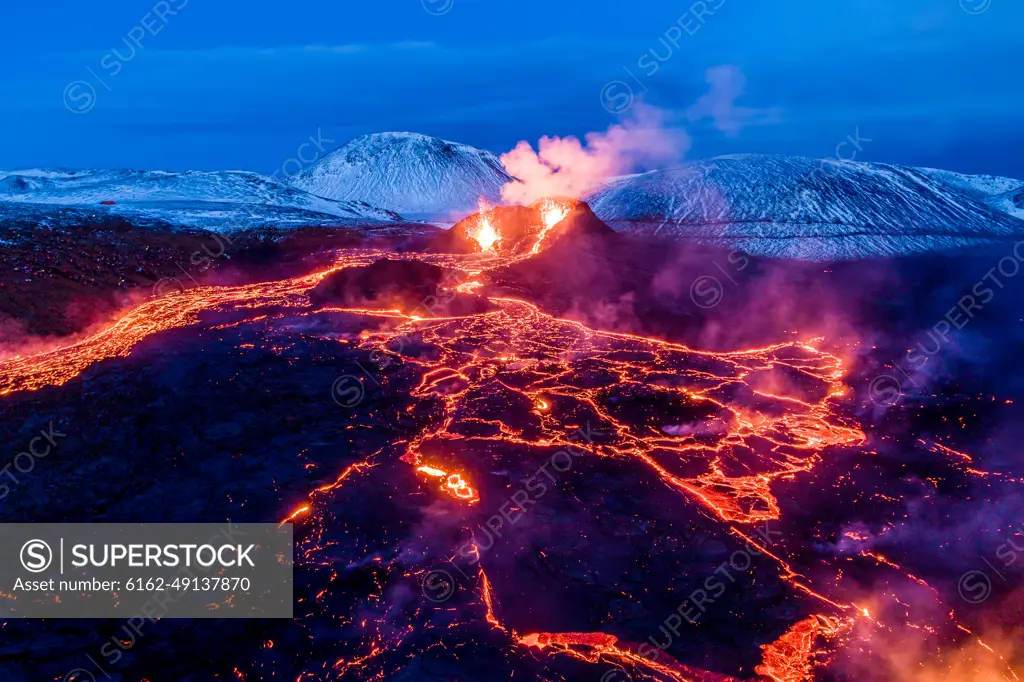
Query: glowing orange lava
x,y
550,348
451,484
719,450
58,366
551,213
593,647
790,658
486,234
304,509
489,600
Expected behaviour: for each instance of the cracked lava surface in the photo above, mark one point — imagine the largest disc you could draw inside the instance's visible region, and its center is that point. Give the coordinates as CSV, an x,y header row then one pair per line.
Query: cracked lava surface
x,y
625,429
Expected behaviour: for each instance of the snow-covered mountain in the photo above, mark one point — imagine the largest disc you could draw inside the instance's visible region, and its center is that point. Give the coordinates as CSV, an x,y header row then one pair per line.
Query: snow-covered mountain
x,y
776,206
1011,202
794,207
981,186
220,201
418,176
1002,194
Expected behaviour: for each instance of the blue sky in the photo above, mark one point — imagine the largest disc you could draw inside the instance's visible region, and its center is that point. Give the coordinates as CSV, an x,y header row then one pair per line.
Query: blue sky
x,y
240,84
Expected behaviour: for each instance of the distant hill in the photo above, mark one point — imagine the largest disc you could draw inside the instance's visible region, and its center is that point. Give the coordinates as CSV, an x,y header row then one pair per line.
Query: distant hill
x,y
418,176
796,207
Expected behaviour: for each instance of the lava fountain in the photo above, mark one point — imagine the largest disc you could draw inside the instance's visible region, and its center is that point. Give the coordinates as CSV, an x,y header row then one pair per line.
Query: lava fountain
x,y
551,213
486,235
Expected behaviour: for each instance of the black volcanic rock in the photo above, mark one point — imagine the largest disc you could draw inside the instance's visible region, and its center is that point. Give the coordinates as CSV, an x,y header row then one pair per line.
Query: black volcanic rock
x,y
385,283
582,224
409,286
578,255
236,421
64,269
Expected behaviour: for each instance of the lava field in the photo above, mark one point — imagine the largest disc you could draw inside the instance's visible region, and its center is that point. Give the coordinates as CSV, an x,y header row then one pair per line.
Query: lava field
x,y
486,488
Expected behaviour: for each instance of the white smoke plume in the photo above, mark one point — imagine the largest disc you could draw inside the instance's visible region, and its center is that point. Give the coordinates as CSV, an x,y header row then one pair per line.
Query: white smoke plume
x,y
564,166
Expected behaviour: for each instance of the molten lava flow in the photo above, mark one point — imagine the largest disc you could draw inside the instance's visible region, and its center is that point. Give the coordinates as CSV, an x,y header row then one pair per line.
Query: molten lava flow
x,y
304,509
486,236
551,213
790,658
593,647
58,366
468,287
701,421
488,597
452,484
938,447
796,437
794,430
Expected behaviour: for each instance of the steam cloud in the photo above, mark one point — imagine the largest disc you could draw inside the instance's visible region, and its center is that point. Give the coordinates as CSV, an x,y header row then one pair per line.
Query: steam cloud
x,y
727,85
564,166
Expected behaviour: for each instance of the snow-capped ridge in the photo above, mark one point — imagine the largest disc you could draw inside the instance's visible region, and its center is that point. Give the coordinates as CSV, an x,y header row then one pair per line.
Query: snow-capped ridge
x,y
203,199
805,208
413,174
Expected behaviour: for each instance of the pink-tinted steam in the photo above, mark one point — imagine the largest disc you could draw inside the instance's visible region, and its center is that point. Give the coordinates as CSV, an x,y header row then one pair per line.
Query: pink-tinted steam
x,y
565,166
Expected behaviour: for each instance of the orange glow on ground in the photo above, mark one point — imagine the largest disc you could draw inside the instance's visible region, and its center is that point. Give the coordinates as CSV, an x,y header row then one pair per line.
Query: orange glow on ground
x,y
790,658
727,458
453,484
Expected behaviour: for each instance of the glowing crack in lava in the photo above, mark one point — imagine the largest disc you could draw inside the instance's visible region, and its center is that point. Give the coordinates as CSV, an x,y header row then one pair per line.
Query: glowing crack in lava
x,y
553,352
451,483
594,647
718,428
